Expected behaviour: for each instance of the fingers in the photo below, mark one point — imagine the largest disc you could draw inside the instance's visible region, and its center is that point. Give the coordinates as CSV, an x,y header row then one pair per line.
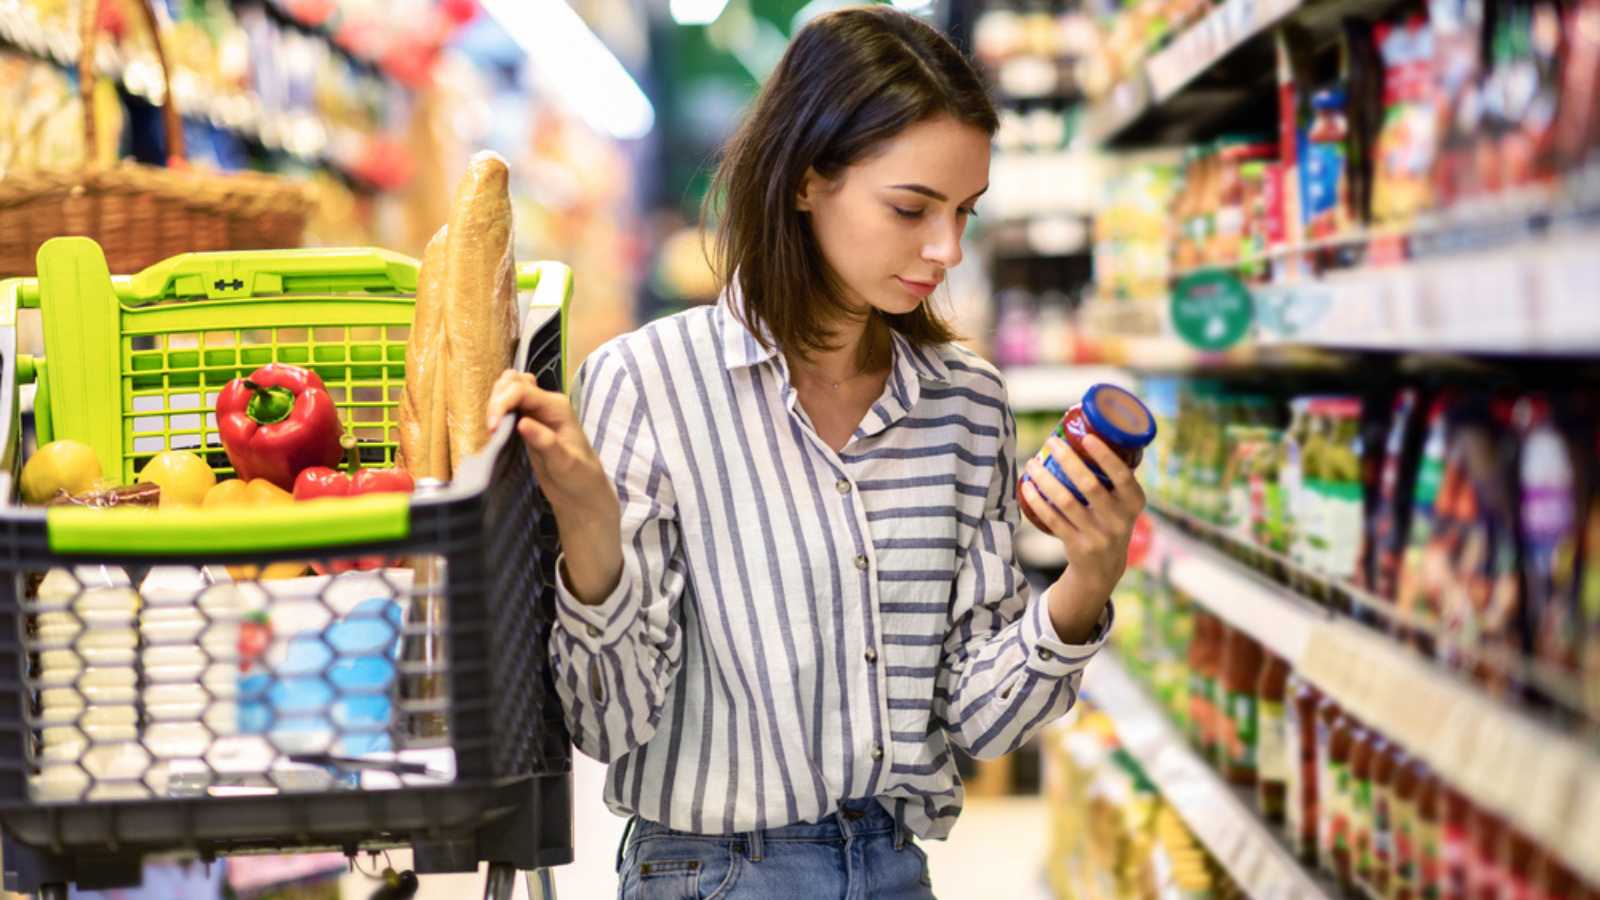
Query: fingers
x,y
1111,465
1048,513
1078,471
1054,497
520,392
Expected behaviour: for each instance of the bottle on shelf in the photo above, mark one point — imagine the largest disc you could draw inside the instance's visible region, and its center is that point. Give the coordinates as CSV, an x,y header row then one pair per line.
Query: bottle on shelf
x,y
1365,745
1430,836
1340,808
1204,653
1241,670
1455,845
1406,827
1272,744
1387,760
1486,871
1301,783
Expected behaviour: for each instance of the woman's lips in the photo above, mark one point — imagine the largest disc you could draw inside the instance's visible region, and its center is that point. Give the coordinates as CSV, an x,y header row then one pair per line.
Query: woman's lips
x,y
920,288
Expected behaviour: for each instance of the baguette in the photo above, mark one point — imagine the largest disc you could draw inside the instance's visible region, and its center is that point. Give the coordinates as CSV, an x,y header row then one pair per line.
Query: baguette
x,y
424,437
480,300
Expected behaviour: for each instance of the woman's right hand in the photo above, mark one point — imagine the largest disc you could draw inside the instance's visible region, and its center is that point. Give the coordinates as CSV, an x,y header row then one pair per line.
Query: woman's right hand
x,y
572,478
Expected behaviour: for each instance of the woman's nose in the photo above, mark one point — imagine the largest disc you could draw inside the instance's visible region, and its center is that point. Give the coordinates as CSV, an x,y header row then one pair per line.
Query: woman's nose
x,y
944,247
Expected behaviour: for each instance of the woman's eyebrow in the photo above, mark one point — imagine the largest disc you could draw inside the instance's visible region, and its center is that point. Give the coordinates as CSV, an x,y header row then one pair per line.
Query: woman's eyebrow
x,y
926,191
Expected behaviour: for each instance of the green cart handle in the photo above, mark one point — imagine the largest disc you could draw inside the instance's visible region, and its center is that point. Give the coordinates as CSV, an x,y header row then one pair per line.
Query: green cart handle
x,y
335,522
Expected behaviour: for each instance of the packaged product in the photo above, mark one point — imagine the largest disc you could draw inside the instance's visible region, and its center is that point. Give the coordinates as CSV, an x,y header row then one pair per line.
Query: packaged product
x,y
1325,185
1391,516
1457,65
1301,778
1577,127
1407,142
1242,661
1406,812
1551,486
1273,761
1519,95
1334,477
1415,590
1112,414
1365,747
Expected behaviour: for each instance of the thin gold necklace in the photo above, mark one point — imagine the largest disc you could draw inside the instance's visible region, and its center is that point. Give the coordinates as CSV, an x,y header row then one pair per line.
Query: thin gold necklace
x,y
839,384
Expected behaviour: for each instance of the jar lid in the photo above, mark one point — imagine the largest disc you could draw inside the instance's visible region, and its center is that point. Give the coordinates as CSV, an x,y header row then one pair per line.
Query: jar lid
x,y
1118,416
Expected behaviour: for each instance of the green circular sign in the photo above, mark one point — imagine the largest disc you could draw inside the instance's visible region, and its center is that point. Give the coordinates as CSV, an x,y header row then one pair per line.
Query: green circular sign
x,y
1212,310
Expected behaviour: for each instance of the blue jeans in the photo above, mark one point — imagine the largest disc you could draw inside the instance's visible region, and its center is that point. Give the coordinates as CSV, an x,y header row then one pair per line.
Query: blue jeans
x,y
857,853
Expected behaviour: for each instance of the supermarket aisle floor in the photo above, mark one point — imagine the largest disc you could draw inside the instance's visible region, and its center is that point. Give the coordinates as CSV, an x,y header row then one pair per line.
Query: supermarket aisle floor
x,y
997,851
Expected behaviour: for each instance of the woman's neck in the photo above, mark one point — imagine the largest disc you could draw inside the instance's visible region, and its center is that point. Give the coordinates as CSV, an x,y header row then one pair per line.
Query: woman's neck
x,y
858,345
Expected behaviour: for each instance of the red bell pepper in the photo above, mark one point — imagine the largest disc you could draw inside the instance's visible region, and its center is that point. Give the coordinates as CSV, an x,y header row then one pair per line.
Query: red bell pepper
x,y
322,481
278,422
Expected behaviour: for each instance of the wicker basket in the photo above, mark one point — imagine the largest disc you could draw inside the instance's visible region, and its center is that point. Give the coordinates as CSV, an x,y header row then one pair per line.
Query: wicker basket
x,y
142,214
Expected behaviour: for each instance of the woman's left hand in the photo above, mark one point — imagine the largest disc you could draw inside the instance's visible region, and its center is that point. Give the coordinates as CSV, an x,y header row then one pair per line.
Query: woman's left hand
x,y
1095,536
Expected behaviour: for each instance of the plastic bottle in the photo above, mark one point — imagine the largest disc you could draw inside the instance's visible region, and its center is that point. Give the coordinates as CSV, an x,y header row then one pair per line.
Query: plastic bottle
x,y
1300,732
1272,746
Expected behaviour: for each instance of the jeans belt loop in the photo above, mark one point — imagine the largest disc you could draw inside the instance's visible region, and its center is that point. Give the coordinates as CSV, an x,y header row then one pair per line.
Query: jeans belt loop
x,y
758,845
899,824
622,847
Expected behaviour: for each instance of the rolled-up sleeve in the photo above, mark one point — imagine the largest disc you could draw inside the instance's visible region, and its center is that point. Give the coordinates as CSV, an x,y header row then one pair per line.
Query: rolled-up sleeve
x,y
614,660
1005,672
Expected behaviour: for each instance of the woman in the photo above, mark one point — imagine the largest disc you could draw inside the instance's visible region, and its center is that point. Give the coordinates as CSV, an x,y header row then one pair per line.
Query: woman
x,y
788,585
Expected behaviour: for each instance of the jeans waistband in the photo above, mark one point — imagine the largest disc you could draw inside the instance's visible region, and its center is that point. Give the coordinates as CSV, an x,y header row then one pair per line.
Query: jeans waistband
x,y
854,818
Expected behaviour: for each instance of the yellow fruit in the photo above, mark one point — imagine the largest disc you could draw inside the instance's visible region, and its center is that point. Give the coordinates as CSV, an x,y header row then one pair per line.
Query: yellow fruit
x,y
63,465
185,478
255,493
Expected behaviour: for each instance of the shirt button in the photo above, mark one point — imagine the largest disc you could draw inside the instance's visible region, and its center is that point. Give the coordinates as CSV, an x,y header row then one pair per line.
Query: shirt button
x,y
843,485
1046,655
871,655
862,562
877,753
595,632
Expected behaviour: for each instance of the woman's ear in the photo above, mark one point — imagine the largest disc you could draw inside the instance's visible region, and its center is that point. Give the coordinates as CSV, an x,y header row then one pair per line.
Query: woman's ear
x,y
812,186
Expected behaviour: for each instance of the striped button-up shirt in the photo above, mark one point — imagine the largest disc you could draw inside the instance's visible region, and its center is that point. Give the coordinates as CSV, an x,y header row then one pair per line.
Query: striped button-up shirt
x,y
795,626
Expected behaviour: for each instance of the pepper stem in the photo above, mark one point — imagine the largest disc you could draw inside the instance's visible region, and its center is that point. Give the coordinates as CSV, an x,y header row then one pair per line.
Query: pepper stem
x,y
270,405
352,456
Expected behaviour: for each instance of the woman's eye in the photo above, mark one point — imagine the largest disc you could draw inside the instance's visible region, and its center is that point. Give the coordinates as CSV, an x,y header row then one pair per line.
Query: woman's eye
x,y
912,214
968,212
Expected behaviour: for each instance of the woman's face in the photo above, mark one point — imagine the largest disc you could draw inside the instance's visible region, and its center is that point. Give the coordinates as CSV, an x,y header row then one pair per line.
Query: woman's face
x,y
890,225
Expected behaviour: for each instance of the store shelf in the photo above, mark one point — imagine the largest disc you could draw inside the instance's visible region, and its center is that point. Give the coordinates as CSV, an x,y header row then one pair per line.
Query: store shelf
x,y
1208,78
304,137
1531,295
1221,816
1542,778
1054,388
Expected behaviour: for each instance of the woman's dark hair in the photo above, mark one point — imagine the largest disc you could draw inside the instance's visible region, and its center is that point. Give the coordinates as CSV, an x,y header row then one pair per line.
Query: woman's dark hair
x,y
849,81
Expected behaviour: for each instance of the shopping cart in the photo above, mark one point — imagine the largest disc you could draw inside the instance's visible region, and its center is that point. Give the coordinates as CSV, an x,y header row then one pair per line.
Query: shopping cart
x,y
166,688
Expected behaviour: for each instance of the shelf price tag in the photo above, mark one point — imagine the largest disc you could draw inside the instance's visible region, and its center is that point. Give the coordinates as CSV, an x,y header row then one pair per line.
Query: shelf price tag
x,y
1212,310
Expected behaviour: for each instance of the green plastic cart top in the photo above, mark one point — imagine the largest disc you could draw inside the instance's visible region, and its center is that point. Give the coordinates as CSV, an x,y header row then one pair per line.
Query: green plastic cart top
x,y
133,365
